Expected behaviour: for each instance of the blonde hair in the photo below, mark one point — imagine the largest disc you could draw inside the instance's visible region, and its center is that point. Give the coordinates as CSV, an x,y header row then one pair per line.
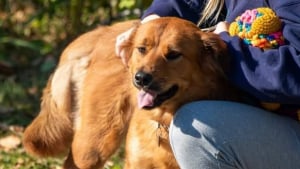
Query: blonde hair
x,y
212,10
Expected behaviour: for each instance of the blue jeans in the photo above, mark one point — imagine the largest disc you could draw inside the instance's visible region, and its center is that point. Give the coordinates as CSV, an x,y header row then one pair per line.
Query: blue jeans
x,y
228,135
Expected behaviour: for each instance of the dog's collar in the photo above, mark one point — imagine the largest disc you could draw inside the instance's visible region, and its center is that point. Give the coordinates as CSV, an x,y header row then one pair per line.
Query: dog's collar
x,y
162,133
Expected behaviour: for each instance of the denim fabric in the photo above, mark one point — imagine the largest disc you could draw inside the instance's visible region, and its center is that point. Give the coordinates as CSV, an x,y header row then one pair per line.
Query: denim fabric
x,y
228,135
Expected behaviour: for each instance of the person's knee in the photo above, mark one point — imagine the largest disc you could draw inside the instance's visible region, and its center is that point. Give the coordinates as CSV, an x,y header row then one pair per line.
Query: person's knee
x,y
192,138
220,120
223,116
218,132
209,114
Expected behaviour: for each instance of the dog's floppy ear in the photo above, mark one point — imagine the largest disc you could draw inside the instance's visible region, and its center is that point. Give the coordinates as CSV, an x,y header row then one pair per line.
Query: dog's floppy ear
x,y
216,48
124,44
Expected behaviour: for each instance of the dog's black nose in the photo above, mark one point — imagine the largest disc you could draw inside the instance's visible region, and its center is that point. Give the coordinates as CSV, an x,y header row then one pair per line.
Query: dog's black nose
x,y
143,79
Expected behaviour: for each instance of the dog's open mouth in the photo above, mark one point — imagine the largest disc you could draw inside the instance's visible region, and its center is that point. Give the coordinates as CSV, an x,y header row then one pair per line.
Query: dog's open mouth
x,y
148,99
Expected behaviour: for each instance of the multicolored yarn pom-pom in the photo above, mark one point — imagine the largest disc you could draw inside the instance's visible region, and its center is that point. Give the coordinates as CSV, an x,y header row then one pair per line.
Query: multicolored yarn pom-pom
x,y
258,27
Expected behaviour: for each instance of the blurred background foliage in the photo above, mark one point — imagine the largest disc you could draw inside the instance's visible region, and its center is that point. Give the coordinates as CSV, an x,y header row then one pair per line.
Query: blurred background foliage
x,y
33,33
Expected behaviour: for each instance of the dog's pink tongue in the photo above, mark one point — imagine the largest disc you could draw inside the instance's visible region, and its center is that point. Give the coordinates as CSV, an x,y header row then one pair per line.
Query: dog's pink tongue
x,y
145,99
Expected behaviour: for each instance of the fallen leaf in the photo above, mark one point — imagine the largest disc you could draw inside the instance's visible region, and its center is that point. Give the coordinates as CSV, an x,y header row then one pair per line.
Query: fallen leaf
x,y
9,142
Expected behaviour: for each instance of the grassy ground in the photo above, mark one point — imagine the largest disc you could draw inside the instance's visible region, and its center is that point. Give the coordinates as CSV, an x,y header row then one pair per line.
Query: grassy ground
x,y
13,155
18,159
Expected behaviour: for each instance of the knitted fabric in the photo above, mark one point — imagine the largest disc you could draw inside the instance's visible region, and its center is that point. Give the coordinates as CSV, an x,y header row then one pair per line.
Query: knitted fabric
x,y
258,27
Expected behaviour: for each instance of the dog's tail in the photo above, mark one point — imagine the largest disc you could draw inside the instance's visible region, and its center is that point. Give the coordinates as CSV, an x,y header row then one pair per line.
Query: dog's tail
x,y
51,132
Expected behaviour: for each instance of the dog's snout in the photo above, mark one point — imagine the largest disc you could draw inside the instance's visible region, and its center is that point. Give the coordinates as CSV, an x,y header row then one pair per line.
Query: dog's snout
x,y
143,79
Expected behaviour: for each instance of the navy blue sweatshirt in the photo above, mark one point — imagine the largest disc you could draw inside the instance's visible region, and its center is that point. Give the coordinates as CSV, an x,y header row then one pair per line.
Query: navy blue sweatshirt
x,y
271,75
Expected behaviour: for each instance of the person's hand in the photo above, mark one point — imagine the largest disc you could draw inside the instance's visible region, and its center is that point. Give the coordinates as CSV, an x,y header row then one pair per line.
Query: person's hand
x,y
124,37
149,18
221,27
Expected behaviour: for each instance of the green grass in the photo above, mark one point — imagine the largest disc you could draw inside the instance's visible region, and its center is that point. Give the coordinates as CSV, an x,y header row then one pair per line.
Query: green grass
x,y
18,159
15,157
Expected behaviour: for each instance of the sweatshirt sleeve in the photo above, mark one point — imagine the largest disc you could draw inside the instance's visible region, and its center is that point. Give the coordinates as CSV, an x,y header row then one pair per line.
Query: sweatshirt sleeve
x,y
271,75
186,9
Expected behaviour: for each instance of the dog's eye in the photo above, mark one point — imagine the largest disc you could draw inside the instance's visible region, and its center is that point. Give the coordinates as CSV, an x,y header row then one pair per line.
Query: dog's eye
x,y
142,49
172,55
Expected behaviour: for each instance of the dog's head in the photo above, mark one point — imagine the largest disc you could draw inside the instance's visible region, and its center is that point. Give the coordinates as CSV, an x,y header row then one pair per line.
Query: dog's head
x,y
172,62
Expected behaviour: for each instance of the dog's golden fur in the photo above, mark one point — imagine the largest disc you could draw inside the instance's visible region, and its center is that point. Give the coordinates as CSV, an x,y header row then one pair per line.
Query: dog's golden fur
x,y
90,102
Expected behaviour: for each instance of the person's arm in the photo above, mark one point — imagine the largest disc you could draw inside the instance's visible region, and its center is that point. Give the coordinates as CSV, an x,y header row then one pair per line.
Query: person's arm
x,y
274,74
186,9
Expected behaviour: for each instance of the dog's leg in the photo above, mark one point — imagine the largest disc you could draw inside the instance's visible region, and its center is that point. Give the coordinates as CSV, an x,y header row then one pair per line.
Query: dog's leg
x,y
104,118
51,132
96,141
69,162
92,154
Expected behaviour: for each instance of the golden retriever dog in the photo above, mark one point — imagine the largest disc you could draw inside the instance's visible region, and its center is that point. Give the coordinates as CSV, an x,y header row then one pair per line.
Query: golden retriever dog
x,y
95,99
